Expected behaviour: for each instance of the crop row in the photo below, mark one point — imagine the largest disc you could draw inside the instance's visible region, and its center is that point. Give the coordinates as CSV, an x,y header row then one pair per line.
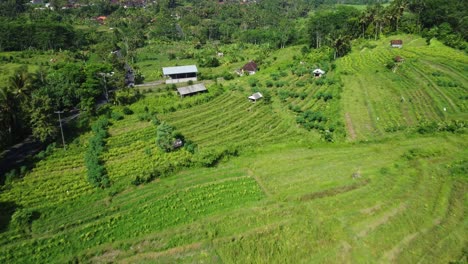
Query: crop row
x,y
142,217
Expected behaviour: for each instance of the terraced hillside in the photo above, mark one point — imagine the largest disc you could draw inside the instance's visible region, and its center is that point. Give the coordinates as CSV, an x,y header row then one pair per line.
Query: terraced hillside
x,y
232,119
347,203
431,84
287,196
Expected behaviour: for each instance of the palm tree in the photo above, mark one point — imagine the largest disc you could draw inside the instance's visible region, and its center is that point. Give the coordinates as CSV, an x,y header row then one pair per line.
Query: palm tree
x,y
8,115
20,84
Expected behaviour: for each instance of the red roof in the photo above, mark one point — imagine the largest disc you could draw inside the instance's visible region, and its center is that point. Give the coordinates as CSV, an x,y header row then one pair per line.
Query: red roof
x,y
396,42
251,67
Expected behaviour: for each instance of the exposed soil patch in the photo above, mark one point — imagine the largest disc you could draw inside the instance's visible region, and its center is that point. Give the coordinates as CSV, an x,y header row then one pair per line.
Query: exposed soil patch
x,y
349,126
334,191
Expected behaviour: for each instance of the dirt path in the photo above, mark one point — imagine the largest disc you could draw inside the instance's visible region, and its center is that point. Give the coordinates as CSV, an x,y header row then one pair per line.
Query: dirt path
x,y
349,126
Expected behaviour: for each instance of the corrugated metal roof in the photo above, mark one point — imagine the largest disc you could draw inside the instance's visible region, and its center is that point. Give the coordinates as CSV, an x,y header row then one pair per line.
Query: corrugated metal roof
x,y
191,89
255,96
319,71
179,69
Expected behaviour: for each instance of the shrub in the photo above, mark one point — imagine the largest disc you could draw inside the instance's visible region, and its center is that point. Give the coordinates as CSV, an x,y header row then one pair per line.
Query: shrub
x,y
127,111
253,82
164,138
21,220
228,76
116,115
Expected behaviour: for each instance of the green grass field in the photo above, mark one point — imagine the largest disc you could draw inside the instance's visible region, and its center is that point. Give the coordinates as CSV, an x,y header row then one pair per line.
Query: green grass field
x,y
381,193
430,85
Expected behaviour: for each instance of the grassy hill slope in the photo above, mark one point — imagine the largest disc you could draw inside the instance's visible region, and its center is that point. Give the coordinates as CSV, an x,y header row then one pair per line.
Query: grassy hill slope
x,y
430,85
287,197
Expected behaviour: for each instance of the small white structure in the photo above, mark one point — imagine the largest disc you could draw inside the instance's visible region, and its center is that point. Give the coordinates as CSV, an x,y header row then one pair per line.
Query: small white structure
x,y
180,73
318,73
256,96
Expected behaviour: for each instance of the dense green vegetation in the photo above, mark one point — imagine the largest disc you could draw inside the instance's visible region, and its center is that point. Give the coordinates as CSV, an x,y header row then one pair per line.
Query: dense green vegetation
x,y
366,163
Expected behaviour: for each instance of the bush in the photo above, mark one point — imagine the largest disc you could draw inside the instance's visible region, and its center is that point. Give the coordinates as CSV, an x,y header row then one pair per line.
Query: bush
x,y
228,76
253,82
21,220
127,111
116,115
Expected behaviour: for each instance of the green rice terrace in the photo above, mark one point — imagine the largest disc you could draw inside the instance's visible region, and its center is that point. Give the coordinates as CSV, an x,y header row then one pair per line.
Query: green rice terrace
x,y
367,164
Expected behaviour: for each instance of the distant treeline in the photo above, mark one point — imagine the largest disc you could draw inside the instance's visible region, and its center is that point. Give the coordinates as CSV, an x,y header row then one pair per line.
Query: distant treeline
x,y
17,35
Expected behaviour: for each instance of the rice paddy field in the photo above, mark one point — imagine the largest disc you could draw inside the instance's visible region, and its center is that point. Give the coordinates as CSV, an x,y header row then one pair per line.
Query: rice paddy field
x,y
381,192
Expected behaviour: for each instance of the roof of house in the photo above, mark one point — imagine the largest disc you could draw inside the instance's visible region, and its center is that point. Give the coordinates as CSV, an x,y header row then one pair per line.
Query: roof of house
x,y
256,96
396,42
319,71
179,69
191,89
251,66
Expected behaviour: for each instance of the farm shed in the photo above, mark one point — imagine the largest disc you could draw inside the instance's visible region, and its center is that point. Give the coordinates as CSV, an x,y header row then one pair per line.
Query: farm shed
x,y
180,73
254,97
192,89
250,67
318,73
396,43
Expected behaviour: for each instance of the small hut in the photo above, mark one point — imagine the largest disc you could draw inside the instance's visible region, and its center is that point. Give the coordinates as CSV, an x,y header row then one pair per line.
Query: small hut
x,y
318,73
396,43
256,96
250,67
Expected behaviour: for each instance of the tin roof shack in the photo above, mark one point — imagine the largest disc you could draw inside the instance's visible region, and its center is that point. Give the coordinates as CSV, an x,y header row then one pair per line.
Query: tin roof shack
x,y
192,89
254,97
318,73
179,74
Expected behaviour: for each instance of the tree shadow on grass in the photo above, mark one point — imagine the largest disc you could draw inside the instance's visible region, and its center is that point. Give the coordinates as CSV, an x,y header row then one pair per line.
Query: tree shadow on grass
x,y
7,209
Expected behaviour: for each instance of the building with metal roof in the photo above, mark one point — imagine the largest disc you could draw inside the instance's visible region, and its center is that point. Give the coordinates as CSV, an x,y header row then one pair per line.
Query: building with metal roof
x,y
180,73
254,97
192,89
318,72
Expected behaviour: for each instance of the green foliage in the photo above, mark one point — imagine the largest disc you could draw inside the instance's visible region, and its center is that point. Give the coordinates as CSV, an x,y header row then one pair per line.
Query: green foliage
x,y
96,171
127,111
211,157
116,115
164,137
18,35
21,220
